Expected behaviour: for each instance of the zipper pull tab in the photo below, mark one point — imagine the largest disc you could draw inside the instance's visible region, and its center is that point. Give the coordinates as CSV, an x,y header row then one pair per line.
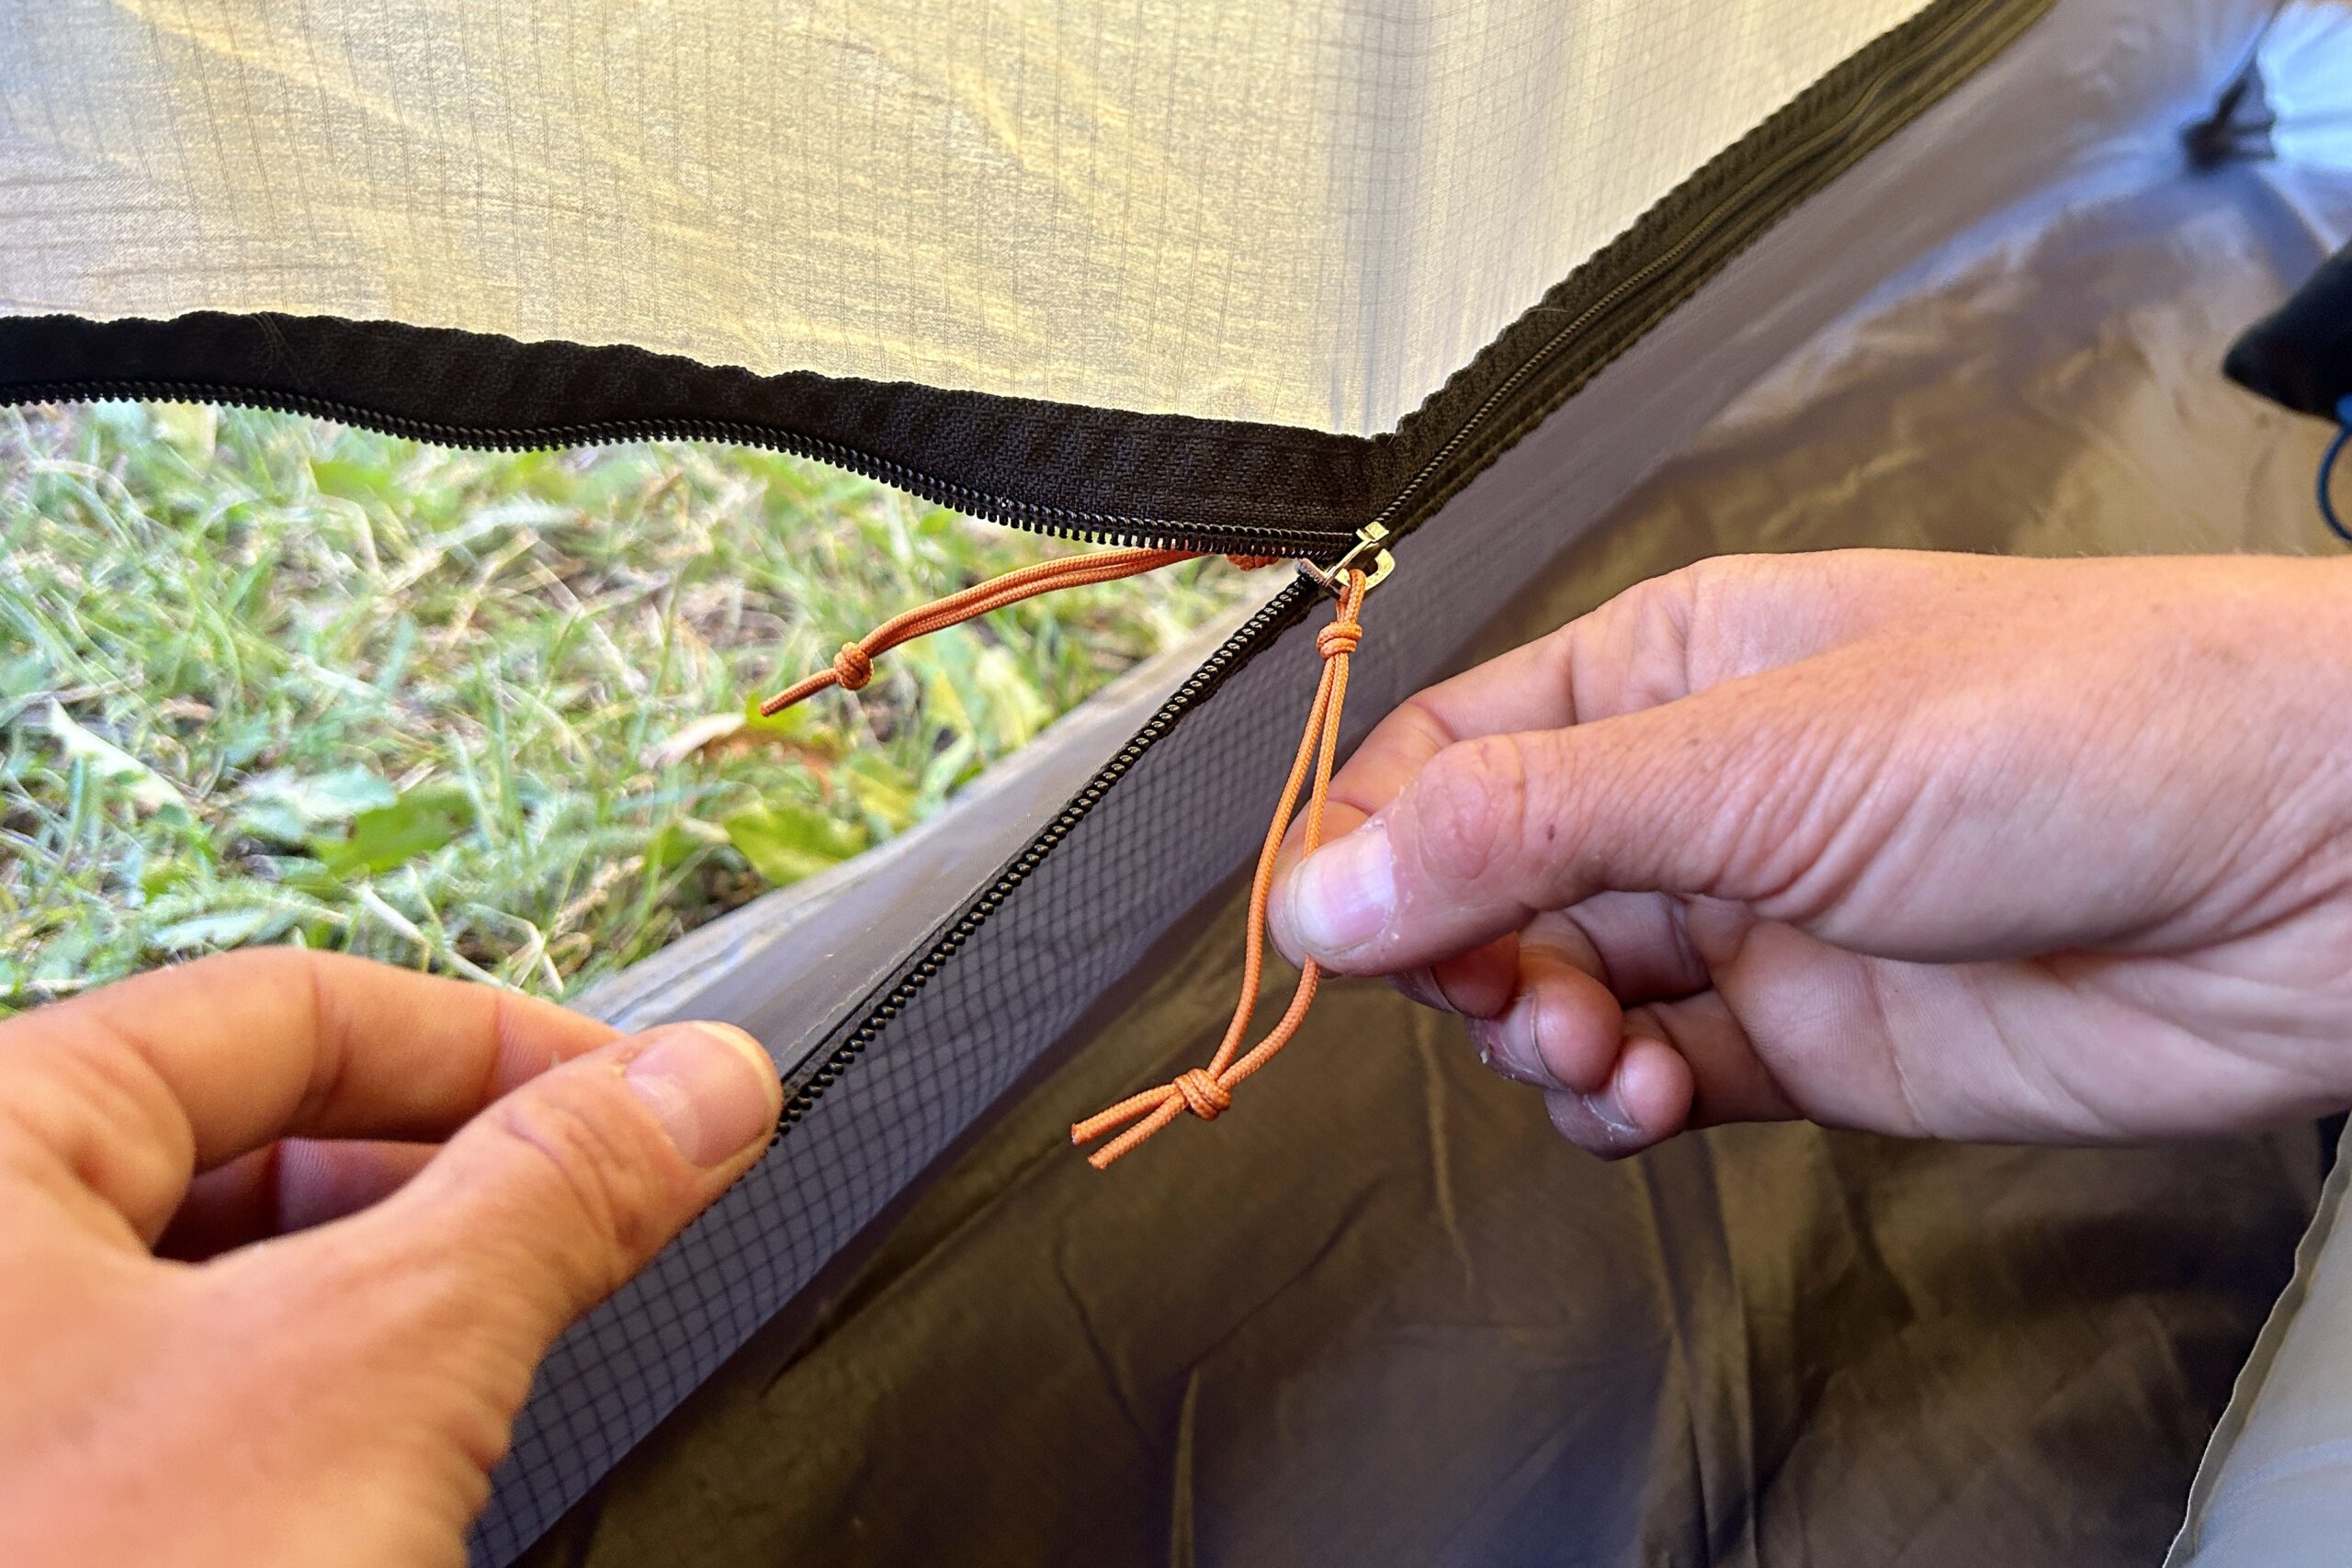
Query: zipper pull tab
x,y
1370,539
1207,1092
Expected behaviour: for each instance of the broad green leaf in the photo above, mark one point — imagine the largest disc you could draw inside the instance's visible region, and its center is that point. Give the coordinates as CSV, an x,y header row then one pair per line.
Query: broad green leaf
x,y
230,928
144,787
355,480
880,791
167,872
785,842
944,699
1016,709
192,427
426,818
290,808
301,874
796,723
959,761
947,667
679,841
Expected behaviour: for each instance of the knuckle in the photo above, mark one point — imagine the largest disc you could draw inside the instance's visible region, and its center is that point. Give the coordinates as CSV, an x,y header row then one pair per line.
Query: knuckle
x,y
116,1123
1470,808
594,1174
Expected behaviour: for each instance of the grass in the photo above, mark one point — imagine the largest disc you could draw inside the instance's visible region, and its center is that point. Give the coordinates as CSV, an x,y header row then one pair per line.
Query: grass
x,y
265,678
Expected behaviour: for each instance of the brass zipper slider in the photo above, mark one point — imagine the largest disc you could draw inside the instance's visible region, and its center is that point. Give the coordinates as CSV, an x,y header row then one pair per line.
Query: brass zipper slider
x,y
1372,536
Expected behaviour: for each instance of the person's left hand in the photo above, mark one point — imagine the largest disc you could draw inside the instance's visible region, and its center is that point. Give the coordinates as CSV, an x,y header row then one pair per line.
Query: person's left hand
x,y
254,1309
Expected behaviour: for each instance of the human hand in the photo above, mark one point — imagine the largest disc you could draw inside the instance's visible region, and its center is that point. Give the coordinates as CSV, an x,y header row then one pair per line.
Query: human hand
x,y
335,1381
1938,845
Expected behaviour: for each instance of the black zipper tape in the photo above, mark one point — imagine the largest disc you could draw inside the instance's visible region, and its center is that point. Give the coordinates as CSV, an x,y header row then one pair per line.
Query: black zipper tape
x,y
1685,239
1534,365
803,1082
1069,523
1657,264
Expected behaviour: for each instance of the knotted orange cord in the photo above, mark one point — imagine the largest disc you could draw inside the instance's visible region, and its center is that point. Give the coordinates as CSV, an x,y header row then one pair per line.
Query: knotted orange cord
x,y
853,665
1207,1092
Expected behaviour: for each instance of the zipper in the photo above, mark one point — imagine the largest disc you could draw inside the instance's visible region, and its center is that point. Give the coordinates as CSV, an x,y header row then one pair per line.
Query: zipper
x,y
1955,49
1666,256
1672,273
806,1081
1059,522
803,1082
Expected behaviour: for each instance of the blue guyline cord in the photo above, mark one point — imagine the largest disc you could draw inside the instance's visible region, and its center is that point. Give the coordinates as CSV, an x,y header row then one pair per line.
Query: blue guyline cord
x,y
2327,468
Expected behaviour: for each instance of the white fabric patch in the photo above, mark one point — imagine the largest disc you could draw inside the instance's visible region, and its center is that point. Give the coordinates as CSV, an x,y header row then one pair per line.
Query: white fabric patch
x,y
1308,214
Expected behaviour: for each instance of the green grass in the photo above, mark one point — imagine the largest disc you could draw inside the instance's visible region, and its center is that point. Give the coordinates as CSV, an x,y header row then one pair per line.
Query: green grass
x,y
265,678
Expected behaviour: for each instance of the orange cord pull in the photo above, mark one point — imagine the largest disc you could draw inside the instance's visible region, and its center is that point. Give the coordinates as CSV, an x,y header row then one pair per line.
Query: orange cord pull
x,y
853,665
1207,1092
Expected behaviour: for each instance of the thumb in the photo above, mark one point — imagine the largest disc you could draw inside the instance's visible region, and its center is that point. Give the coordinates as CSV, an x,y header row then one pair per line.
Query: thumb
x,y
1725,794
560,1190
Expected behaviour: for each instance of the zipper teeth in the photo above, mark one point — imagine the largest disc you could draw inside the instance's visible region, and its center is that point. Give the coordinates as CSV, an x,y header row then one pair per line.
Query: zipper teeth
x,y
804,1084
1823,137
1067,522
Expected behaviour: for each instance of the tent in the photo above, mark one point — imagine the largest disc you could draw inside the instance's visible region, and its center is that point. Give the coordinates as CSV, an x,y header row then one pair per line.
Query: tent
x,y
1557,296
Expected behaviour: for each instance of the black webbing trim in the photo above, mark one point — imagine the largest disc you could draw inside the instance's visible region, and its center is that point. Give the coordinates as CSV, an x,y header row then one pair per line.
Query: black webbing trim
x,y
1106,474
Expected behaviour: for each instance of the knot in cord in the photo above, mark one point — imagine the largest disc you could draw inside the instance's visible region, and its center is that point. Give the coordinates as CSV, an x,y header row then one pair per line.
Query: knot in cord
x,y
1338,638
1203,1096
1208,1091
853,665
852,668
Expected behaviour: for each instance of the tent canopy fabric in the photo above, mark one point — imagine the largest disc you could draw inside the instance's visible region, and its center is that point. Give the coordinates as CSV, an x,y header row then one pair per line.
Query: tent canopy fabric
x,y
1293,215
1172,465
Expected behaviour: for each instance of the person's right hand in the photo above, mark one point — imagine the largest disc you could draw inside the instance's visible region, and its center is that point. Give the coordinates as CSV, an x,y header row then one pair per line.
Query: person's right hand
x,y
1939,845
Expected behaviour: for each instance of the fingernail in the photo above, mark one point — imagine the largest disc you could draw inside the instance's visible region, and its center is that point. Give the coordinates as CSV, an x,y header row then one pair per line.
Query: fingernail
x,y
1610,1110
1342,895
710,1086
1503,1046
1421,987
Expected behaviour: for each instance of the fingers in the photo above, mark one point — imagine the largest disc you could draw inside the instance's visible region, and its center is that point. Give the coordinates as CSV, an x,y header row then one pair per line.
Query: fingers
x,y
543,1204
1528,688
393,1347
1467,763
1672,1066
1729,794
132,1088
1611,1015
286,1186
1663,639
1477,984
1645,1100
1562,1028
